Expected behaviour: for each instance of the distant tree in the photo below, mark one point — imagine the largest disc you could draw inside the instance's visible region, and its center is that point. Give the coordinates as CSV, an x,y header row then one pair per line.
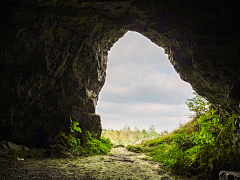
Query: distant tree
x,y
136,132
127,130
152,133
198,105
144,134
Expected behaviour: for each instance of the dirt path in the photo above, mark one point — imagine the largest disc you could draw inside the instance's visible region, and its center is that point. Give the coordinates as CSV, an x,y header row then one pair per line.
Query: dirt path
x,y
120,164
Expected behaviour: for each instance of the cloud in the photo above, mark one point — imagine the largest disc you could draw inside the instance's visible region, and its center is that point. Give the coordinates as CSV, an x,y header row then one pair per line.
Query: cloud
x,y
162,116
142,110
155,87
134,47
141,86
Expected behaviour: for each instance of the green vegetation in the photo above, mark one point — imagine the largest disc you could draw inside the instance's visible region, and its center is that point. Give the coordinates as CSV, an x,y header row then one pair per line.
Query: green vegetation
x,y
67,146
126,136
13,154
203,147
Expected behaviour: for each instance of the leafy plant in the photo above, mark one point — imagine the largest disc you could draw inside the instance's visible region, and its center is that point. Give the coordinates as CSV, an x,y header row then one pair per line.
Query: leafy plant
x,y
215,140
204,146
198,105
70,146
96,146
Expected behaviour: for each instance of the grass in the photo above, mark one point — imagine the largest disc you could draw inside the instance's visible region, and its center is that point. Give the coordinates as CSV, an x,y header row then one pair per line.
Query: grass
x,y
174,151
14,155
179,153
95,147
126,136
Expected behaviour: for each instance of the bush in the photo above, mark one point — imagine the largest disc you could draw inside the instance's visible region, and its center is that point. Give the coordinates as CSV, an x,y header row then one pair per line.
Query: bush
x,y
100,147
69,146
203,146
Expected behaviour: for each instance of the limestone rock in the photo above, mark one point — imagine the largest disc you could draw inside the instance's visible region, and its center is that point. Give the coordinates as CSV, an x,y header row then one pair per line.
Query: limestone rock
x,y
226,175
53,58
9,145
3,146
140,142
13,146
117,145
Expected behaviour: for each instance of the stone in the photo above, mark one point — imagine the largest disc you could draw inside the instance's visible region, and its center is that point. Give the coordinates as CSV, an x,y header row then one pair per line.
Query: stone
x,y
13,146
228,175
140,142
24,147
53,58
5,145
117,145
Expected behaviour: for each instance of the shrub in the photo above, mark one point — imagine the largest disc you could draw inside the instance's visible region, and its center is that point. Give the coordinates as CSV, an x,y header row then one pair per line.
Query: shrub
x,y
69,146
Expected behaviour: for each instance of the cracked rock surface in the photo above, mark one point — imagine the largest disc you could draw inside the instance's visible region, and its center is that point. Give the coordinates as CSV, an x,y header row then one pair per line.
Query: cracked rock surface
x,y
53,58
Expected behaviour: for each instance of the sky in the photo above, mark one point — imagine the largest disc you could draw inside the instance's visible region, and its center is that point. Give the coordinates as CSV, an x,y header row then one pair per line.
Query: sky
x,y
142,88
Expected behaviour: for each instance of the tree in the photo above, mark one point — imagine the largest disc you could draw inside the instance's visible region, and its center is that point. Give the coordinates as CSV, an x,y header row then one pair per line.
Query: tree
x,y
198,105
152,132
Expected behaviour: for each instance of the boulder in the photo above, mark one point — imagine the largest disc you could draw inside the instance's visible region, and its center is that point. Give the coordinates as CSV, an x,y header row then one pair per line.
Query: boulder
x,y
117,145
140,142
5,145
227,175
13,146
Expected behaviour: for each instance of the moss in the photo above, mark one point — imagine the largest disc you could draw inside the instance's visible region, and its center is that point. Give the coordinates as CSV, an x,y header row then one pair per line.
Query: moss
x,y
156,142
62,32
75,20
68,100
47,34
53,82
138,149
15,155
20,88
97,27
76,65
40,84
60,68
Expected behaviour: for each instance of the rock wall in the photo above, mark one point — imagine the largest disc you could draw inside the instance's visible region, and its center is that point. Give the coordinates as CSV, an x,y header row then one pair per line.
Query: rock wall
x,y
54,57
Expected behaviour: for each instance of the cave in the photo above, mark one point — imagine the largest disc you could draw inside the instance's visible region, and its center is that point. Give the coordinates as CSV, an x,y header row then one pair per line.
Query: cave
x,y
54,58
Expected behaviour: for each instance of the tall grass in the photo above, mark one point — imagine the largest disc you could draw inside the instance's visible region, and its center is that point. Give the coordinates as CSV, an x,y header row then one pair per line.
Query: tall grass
x,y
192,149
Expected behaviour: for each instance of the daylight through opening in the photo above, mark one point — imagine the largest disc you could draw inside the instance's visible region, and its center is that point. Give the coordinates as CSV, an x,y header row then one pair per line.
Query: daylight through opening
x,y
142,88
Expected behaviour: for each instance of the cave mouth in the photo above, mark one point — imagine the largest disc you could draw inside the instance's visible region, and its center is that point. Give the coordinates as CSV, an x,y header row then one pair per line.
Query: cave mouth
x,y
54,58
142,87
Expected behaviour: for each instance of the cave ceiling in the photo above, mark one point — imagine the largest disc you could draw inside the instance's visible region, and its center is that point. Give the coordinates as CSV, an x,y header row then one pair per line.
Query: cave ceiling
x,y
54,57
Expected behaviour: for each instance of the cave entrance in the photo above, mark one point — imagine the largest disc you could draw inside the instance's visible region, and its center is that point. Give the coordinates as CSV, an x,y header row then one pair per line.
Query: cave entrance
x,y
142,88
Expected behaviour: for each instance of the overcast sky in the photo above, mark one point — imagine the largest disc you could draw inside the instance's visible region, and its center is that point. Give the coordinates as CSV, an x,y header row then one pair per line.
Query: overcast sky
x,y
142,88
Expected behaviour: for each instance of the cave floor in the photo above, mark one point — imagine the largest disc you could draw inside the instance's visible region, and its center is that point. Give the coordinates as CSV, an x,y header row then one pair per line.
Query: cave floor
x,y
118,164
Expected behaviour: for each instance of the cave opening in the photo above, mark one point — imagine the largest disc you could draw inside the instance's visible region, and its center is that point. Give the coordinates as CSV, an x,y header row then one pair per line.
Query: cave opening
x,y
142,88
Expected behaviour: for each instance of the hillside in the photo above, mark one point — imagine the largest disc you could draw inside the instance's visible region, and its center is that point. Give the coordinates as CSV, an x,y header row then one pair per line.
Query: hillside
x,y
204,146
